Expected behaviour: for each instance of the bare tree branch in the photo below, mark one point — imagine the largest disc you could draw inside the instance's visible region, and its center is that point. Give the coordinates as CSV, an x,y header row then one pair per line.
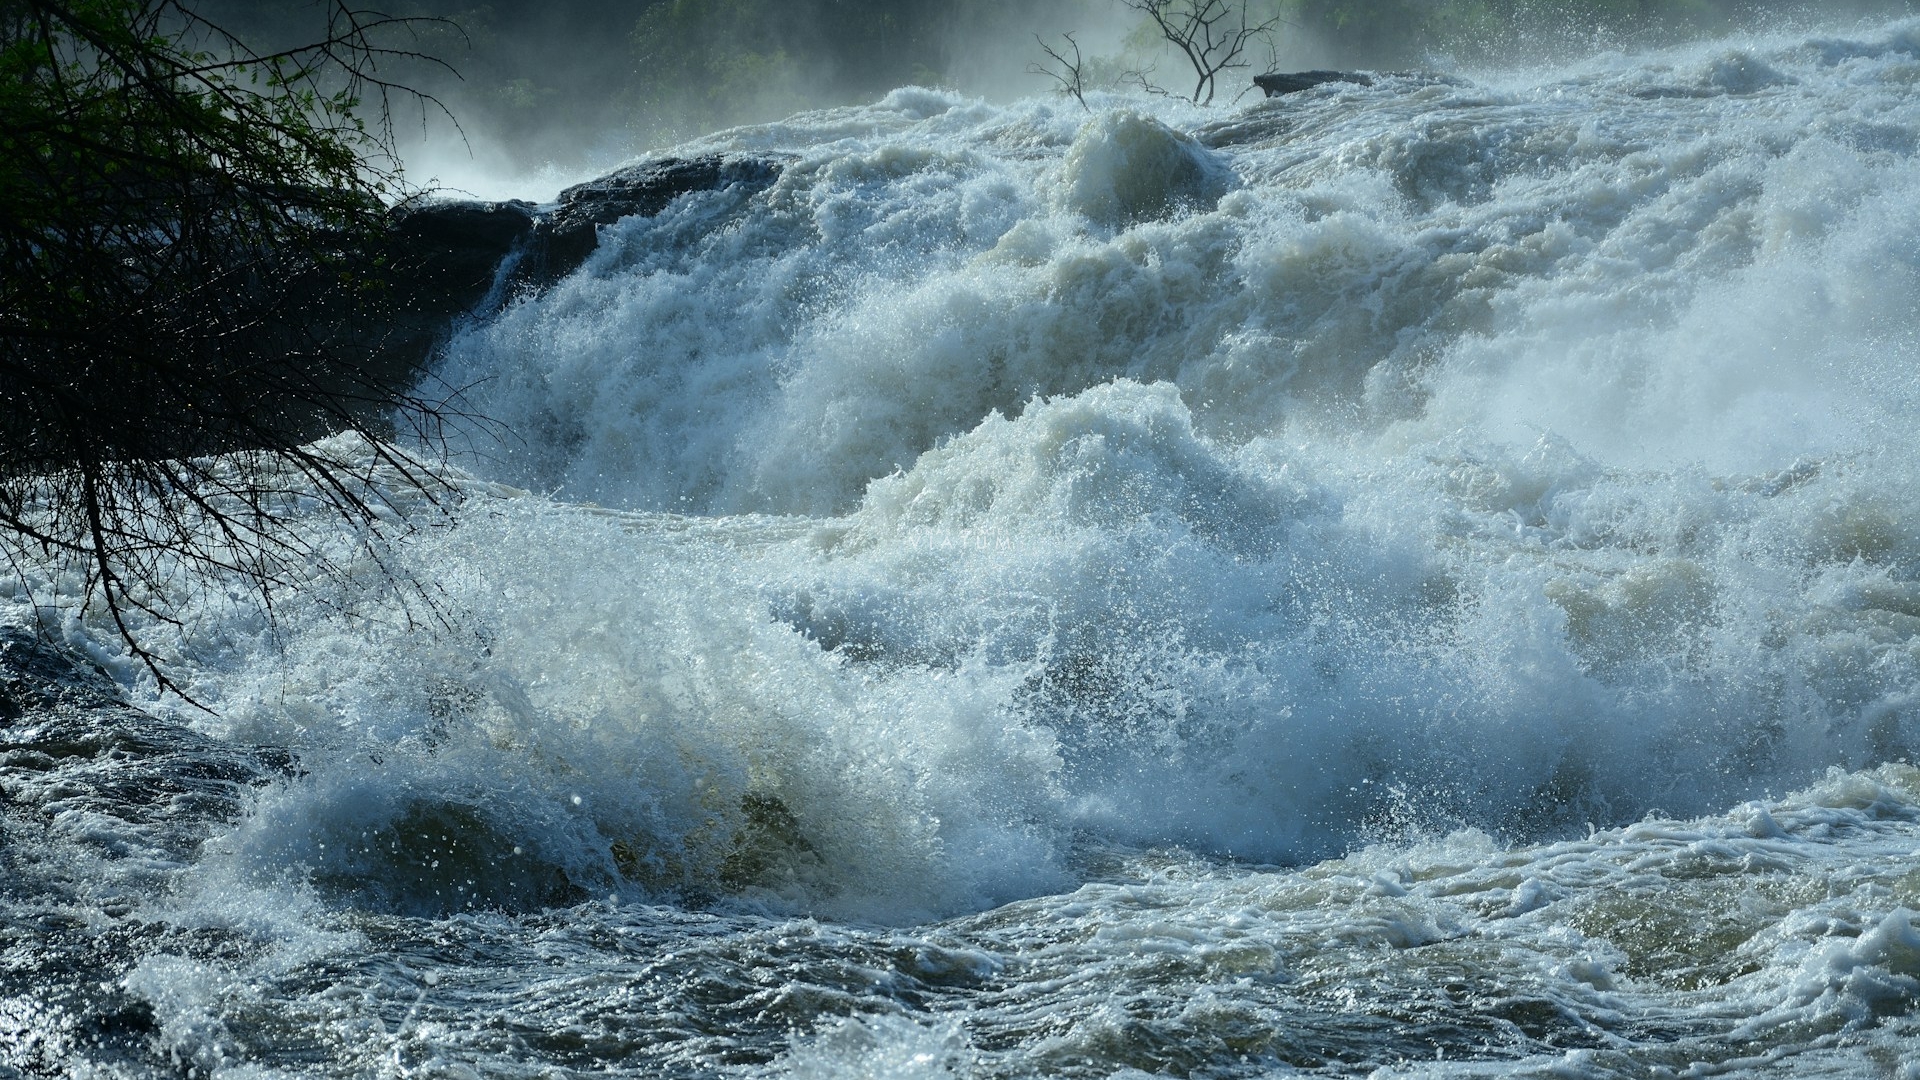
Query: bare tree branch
x,y
191,247
1212,34
1068,73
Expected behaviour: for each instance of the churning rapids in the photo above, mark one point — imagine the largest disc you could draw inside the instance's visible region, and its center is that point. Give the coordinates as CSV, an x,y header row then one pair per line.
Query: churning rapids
x,y
1418,579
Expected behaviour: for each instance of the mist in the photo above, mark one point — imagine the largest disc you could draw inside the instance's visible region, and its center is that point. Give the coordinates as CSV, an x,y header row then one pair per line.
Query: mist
x,y
524,99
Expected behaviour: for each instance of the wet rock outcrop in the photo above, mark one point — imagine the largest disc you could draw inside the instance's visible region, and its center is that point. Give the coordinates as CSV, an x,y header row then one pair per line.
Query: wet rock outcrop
x,y
446,258
447,255
1278,83
564,236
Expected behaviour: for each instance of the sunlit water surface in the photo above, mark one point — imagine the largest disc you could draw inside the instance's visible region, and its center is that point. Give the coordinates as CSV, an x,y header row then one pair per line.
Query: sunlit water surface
x,y
1418,579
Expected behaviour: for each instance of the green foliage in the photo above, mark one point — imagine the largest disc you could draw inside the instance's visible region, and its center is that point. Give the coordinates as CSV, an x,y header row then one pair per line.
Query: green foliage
x,y
188,229
701,63
147,182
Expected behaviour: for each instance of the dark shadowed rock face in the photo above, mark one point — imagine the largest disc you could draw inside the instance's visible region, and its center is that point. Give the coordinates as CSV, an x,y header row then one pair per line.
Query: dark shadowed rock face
x,y
1282,82
446,257
564,237
448,251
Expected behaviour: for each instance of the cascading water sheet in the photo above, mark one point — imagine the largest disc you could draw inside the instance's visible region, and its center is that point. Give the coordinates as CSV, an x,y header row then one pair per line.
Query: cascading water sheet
x,y
1409,579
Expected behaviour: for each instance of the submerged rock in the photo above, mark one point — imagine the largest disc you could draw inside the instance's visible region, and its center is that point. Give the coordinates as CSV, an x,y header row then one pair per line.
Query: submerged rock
x,y
76,757
1125,168
101,805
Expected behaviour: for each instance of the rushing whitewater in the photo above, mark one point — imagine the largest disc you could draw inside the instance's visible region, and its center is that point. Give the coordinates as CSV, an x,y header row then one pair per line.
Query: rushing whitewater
x,y
1419,579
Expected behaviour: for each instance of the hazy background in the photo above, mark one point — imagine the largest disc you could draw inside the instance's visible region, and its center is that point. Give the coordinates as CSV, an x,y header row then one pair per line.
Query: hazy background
x,y
546,93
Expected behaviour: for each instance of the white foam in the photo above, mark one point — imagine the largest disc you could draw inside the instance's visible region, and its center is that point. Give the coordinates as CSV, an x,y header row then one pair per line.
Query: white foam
x,y
881,1048
1514,458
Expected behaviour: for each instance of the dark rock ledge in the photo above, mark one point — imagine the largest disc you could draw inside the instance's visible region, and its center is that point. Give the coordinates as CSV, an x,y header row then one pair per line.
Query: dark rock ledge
x,y
446,256
1278,83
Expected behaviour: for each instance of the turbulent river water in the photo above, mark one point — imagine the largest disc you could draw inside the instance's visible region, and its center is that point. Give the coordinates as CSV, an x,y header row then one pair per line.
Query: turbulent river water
x,y
1419,579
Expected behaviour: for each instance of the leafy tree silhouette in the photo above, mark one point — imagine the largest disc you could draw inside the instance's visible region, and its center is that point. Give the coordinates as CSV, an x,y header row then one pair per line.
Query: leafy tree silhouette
x,y
191,252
